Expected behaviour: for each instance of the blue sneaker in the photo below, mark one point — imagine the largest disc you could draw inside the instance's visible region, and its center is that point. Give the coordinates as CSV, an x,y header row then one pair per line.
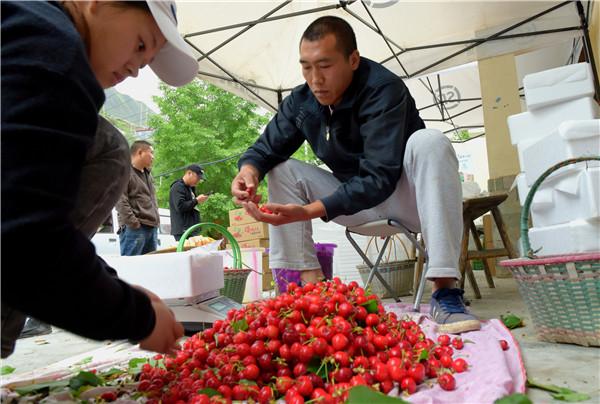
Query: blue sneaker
x,y
449,311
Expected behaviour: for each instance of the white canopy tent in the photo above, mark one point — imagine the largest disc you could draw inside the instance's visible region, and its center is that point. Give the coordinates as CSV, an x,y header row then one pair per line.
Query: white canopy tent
x,y
250,48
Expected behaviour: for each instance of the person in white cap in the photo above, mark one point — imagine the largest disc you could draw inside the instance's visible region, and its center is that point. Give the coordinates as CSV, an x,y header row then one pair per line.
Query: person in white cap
x,y
64,167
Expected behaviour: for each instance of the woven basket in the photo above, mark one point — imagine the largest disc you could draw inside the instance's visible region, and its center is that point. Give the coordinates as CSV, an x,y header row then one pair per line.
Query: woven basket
x,y
562,292
234,279
399,274
235,283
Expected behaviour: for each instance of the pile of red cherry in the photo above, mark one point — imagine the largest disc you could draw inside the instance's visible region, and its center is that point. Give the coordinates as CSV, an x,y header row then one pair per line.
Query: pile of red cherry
x,y
312,343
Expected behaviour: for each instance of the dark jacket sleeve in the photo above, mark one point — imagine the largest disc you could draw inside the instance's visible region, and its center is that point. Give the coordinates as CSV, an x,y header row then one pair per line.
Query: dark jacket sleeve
x,y
50,270
179,198
280,139
384,130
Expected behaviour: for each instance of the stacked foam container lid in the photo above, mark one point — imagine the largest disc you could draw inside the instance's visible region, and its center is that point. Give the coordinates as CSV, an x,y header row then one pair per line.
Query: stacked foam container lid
x,y
561,123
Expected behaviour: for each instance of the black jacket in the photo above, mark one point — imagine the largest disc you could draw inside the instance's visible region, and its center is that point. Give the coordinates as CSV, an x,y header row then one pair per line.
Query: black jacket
x,y
50,104
368,132
182,203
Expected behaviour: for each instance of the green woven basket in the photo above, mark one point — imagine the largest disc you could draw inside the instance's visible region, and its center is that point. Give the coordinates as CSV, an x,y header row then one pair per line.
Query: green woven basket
x,y
234,279
561,292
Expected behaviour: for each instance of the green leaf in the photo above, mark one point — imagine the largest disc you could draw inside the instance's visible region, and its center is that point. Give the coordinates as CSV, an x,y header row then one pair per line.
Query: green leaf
x,y
85,379
516,398
364,394
511,321
239,325
6,370
38,387
209,392
84,361
423,355
160,363
247,382
571,396
111,372
559,393
319,367
135,365
370,306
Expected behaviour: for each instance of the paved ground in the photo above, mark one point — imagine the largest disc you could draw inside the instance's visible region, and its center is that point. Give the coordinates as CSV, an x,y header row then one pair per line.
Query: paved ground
x,y
564,365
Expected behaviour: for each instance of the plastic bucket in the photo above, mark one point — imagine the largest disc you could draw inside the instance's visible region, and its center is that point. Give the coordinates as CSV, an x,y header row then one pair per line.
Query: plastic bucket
x,y
283,276
325,257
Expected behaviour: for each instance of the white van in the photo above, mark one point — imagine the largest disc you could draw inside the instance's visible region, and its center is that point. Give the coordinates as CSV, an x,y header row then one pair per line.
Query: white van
x,y
106,240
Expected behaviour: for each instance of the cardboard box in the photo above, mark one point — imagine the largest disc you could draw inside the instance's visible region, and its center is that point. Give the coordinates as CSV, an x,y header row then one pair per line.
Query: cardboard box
x,y
249,231
267,275
256,243
239,216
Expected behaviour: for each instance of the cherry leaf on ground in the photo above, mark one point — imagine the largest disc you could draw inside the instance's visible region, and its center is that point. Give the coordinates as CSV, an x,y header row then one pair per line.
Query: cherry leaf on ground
x,y
511,321
516,398
364,394
6,370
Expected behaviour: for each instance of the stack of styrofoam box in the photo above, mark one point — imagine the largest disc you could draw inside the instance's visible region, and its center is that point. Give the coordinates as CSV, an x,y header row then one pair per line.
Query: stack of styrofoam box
x,y
560,124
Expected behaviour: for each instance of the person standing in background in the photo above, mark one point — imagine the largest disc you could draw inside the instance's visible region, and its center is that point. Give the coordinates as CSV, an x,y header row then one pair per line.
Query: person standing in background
x,y
137,207
183,201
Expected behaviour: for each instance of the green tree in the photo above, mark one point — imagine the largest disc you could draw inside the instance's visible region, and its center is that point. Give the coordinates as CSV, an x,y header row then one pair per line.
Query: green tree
x,y
461,135
200,123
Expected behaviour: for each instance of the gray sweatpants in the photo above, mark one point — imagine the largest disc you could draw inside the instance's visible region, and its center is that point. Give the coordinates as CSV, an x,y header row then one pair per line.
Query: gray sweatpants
x,y
427,199
103,179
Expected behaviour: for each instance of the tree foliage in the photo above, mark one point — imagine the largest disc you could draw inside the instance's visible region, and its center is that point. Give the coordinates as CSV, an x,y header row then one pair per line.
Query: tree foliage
x,y
200,123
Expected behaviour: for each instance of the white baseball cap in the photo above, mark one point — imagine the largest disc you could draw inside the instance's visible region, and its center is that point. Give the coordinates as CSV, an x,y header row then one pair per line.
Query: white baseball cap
x,y
175,63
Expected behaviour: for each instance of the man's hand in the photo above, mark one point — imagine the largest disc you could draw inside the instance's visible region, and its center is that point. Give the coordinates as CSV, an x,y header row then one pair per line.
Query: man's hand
x,y
245,184
201,198
283,214
166,331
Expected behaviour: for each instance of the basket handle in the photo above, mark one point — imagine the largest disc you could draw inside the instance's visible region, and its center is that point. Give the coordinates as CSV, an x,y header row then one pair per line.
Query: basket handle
x,y
527,204
394,238
237,253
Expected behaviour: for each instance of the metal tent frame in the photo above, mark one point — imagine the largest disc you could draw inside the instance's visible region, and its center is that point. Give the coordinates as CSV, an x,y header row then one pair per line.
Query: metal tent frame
x,y
395,51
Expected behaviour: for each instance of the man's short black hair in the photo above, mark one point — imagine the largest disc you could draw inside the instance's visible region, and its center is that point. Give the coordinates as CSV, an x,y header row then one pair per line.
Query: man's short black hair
x,y
139,145
344,35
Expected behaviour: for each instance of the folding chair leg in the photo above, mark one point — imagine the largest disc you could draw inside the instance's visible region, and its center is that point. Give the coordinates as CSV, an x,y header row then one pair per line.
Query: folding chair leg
x,y
421,289
374,268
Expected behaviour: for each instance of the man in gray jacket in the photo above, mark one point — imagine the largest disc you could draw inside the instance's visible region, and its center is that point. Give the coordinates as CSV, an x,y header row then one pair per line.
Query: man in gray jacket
x,y
137,208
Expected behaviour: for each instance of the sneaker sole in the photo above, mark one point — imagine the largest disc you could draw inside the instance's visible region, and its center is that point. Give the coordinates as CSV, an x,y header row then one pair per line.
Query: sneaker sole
x,y
459,327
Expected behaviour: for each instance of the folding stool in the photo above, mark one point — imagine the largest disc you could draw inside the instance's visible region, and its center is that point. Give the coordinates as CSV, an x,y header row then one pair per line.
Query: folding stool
x,y
387,228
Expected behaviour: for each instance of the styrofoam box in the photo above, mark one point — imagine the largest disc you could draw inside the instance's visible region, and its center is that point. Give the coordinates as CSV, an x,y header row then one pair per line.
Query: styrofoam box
x,y
571,196
541,122
558,85
572,139
172,275
566,238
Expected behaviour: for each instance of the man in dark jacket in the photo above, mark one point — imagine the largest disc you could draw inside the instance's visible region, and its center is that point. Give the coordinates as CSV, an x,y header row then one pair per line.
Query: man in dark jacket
x,y
361,121
183,201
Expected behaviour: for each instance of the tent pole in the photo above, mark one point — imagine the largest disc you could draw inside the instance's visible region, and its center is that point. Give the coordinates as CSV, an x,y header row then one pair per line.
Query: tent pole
x,y
587,46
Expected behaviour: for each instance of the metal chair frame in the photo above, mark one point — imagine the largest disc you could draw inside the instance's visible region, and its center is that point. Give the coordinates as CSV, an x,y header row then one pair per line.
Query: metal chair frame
x,y
388,228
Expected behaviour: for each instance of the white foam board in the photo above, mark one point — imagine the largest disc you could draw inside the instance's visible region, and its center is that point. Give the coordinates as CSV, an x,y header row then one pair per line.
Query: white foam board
x,y
172,275
582,137
575,195
571,139
558,85
566,238
542,122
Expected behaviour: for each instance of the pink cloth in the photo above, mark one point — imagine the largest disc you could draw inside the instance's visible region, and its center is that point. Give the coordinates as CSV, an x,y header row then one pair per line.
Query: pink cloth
x,y
492,374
